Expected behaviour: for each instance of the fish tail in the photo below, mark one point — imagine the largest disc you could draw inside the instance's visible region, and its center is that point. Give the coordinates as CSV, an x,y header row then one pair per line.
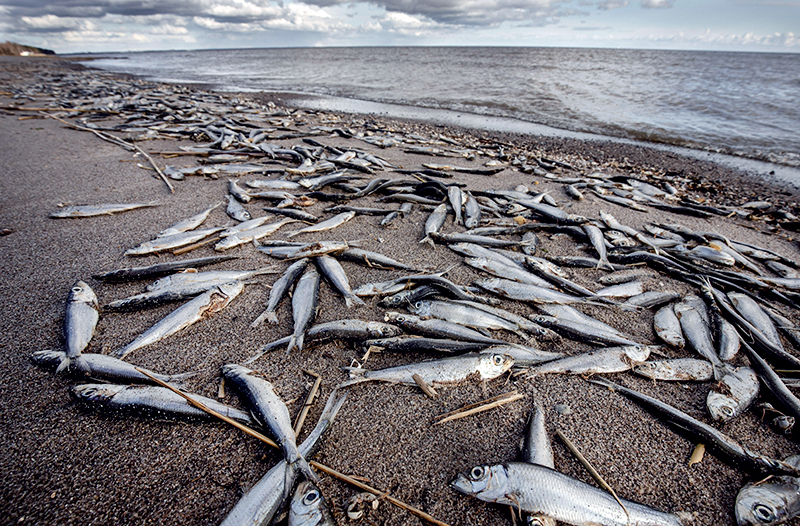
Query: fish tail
x,y
292,345
272,317
352,299
427,240
179,378
302,464
64,365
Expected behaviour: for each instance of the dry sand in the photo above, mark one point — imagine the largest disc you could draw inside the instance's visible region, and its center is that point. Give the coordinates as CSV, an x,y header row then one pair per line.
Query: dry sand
x,y
63,464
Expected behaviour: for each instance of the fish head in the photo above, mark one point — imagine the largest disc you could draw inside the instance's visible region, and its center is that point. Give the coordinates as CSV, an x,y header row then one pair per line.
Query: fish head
x,y
377,329
493,365
487,483
573,218
421,308
159,284
82,293
98,393
765,504
308,507
722,408
783,424
399,318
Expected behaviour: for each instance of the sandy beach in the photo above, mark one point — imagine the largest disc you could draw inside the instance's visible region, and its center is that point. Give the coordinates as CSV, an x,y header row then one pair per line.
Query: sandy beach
x,y
65,464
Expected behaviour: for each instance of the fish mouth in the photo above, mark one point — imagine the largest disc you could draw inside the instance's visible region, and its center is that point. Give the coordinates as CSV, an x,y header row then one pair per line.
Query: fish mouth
x,y
462,484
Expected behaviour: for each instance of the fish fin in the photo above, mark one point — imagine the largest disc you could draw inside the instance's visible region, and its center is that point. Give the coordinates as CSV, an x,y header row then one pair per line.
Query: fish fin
x,y
353,300
427,240
64,365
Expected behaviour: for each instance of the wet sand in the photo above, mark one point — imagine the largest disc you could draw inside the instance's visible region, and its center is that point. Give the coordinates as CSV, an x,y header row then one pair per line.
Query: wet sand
x,y
64,464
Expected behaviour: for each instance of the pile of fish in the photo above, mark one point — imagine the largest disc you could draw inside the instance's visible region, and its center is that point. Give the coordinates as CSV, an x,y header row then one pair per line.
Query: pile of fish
x,y
524,313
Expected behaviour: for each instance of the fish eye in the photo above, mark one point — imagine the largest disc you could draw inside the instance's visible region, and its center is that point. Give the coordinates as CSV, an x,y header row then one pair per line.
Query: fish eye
x,y
498,359
311,497
385,330
477,473
727,410
539,319
76,289
763,513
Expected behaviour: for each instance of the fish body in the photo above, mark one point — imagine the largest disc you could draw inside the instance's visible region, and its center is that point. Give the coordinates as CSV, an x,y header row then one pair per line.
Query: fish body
x,y
752,312
100,366
161,244
235,209
526,292
676,370
472,212
497,268
541,490
598,242
622,290
269,410
456,198
159,269
154,400
734,393
769,502
250,235
328,224
188,224
608,360
196,282
80,319
245,225
697,333
203,306
279,290
582,331
668,327
334,273
372,259
304,250
96,210
304,306
463,315
728,341
451,370
435,328
434,223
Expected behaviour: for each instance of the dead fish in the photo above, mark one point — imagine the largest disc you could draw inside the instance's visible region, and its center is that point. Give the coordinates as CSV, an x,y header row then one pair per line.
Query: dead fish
x,y
304,250
451,370
434,223
235,209
203,306
622,290
698,335
161,244
189,223
615,278
456,198
279,290
328,224
676,370
270,411
80,319
333,271
304,306
97,210
308,507
752,312
153,400
606,360
159,269
251,235
541,490
733,394
463,315
472,212
237,191
245,225
435,328
496,267
769,502
100,366
668,327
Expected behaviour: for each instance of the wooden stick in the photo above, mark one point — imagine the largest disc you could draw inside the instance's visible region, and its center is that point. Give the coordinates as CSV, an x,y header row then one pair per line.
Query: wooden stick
x,y
593,472
203,407
325,469
381,495
479,407
189,248
427,389
301,418
120,142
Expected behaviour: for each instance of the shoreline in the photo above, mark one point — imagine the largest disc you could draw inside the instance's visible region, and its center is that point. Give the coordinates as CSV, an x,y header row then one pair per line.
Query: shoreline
x,y
69,465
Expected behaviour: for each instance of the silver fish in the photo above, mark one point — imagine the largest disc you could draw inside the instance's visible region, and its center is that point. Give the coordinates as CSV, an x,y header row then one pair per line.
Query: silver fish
x,y
328,224
159,269
583,332
496,267
456,198
151,399
668,327
161,244
733,394
304,250
203,306
237,191
463,315
698,335
308,507
263,501
542,490
677,370
622,290
608,360
270,411
304,306
279,290
96,210
728,341
250,235
451,370
99,366
235,209
526,292
202,281
334,272
538,450
439,328
598,242
752,312
472,212
80,320
245,225
434,223
189,223
652,298
769,502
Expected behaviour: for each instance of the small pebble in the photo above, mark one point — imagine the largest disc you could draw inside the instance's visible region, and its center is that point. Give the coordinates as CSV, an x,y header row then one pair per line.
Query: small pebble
x,y
563,409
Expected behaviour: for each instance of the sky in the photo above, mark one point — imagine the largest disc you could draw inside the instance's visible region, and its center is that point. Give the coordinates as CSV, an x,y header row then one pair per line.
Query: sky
x,y
76,26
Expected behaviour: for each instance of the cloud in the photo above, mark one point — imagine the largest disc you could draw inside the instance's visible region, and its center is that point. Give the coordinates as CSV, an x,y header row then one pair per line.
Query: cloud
x,y
657,4
607,5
